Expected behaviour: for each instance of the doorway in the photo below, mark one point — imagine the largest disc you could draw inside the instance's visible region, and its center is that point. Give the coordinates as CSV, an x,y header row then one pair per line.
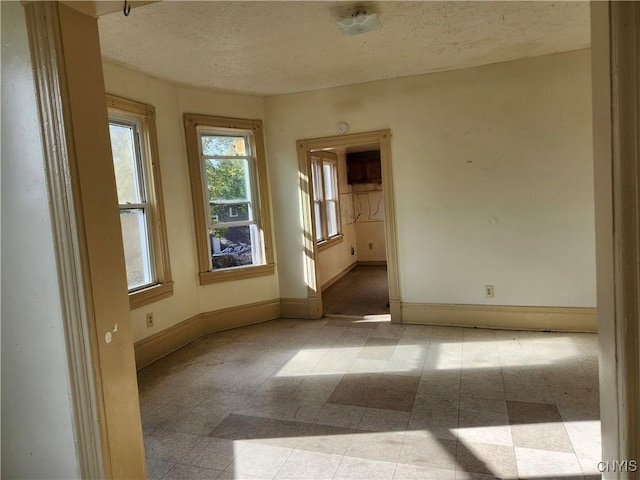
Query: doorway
x,y
362,293
355,285
365,203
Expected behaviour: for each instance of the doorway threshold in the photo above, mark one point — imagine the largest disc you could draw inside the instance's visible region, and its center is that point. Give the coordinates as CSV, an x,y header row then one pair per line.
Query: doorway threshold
x,y
374,318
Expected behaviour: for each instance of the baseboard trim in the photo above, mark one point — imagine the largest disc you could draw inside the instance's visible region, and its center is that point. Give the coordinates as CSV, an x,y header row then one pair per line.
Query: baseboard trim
x,y
167,341
160,344
295,307
241,316
567,319
339,276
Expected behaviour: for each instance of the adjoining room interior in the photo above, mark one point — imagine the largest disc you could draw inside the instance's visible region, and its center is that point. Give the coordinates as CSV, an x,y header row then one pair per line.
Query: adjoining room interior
x,y
362,292
192,250
351,257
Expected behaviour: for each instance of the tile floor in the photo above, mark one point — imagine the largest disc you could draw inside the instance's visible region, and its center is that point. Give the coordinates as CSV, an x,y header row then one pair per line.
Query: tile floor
x,y
349,399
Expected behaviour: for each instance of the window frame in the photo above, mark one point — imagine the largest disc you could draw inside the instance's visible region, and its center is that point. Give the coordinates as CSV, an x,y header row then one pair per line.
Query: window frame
x,y
130,112
252,129
320,158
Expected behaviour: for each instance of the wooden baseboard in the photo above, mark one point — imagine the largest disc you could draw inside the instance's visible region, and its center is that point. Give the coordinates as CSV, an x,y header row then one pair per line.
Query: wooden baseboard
x,y
294,307
339,276
240,316
163,343
504,317
395,309
156,346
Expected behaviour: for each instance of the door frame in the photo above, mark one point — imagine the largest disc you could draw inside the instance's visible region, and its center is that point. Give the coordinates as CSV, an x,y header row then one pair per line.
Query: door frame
x,y
615,36
67,66
383,139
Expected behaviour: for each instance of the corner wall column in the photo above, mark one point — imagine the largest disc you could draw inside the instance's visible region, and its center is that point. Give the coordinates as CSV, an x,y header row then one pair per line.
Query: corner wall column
x,y
65,51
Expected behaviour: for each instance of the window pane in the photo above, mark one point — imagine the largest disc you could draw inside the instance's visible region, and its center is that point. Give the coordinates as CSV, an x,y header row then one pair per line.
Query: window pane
x,y
332,218
329,190
136,247
318,221
231,247
124,162
230,212
224,146
227,179
316,177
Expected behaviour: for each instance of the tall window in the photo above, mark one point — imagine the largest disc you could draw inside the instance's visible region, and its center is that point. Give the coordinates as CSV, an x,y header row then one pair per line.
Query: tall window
x,y
228,175
230,183
135,215
324,177
134,150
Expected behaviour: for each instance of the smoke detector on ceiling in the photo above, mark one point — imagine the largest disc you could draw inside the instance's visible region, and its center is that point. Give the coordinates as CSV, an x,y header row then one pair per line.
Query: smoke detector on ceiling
x,y
359,22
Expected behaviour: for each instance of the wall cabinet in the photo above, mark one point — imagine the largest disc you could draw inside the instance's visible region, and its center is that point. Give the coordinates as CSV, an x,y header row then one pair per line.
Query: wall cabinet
x,y
364,167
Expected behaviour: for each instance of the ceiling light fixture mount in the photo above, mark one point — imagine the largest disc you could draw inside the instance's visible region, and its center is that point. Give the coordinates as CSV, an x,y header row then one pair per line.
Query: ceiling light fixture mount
x,y
359,22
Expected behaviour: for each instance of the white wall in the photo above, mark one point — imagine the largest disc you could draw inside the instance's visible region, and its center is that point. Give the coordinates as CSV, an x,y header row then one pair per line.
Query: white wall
x,y
493,182
210,102
493,178
368,204
171,103
336,259
37,429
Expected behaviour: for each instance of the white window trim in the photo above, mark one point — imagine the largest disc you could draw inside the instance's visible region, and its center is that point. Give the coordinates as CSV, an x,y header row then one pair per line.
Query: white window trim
x,y
130,112
253,128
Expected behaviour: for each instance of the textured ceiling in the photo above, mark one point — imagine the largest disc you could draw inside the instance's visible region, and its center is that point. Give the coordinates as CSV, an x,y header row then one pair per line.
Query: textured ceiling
x,y
271,48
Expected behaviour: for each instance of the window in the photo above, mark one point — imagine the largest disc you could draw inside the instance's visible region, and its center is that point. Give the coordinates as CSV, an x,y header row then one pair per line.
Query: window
x,y
229,190
324,178
137,174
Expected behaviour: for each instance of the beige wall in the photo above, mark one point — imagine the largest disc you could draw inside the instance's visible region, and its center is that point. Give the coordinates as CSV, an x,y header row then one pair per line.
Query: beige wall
x,y
493,181
493,178
368,206
333,261
171,103
37,418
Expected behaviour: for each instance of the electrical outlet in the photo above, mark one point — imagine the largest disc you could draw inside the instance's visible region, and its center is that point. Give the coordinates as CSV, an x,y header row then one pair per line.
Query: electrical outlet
x,y
370,245
353,251
488,291
149,319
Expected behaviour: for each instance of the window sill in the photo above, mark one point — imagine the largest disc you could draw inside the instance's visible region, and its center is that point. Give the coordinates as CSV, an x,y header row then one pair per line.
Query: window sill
x,y
238,273
330,243
149,295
